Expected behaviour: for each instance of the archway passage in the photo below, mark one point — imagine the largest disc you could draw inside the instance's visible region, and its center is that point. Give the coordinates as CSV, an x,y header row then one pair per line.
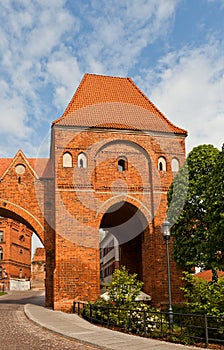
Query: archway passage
x,y
16,246
125,230
15,253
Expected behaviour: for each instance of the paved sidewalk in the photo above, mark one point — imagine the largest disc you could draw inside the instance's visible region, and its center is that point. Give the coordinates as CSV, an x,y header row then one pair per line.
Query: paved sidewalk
x,y
71,325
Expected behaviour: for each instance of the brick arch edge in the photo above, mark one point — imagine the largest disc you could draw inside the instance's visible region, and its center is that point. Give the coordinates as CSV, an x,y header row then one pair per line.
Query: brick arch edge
x,y
14,211
123,198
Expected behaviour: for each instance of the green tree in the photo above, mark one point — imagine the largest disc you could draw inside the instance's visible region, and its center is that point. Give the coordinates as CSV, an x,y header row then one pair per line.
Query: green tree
x,y
187,200
124,287
215,214
204,297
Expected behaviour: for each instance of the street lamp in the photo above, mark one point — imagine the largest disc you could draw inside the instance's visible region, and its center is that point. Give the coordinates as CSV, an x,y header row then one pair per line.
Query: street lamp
x,y
166,234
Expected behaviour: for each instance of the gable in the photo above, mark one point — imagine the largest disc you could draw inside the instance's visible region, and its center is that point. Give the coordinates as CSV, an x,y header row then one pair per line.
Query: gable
x,y
39,167
114,102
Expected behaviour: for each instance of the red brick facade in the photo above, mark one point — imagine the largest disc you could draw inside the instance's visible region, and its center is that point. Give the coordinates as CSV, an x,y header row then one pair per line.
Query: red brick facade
x,y
110,167
38,269
15,246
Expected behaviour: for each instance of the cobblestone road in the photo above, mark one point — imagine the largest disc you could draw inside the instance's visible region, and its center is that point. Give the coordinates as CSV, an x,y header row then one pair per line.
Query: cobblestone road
x,y
19,333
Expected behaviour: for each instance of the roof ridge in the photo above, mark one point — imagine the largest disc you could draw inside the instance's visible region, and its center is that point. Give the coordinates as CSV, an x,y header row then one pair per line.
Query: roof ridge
x,y
78,90
154,106
71,101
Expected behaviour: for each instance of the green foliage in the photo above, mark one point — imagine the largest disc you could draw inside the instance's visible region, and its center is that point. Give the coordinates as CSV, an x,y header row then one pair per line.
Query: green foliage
x,y
189,211
144,320
215,214
204,297
124,287
122,310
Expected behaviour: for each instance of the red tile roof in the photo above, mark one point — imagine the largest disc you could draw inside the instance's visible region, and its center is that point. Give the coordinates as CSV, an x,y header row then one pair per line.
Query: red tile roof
x,y
207,275
41,166
4,164
113,102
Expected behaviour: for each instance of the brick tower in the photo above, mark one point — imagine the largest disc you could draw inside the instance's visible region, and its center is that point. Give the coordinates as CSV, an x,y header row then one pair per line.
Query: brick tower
x,y
114,155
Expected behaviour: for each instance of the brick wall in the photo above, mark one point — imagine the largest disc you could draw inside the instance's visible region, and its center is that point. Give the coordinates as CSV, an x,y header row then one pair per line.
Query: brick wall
x,y
84,197
16,247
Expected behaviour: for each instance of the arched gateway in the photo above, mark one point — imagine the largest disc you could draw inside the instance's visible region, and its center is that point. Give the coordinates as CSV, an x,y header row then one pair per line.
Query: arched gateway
x,y
110,167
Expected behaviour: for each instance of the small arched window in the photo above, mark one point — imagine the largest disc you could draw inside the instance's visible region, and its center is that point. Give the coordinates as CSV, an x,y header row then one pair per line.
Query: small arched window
x,y
82,160
1,253
22,238
162,164
122,164
67,160
0,272
175,165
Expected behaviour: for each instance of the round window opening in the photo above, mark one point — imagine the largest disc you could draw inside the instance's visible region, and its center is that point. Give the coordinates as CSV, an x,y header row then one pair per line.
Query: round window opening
x,y
20,169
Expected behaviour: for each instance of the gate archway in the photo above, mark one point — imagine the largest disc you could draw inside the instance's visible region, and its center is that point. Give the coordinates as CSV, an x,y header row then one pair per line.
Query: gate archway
x,y
26,195
128,230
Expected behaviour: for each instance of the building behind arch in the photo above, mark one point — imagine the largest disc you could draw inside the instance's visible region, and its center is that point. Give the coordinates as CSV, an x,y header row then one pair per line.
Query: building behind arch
x,y
15,254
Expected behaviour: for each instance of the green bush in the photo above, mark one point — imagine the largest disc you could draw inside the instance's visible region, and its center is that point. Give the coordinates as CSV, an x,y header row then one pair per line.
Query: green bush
x,y
204,297
124,287
122,310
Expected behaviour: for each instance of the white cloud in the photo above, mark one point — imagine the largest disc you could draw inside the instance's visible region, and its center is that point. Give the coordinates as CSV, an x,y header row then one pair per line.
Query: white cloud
x,y
30,34
46,47
190,92
121,30
64,72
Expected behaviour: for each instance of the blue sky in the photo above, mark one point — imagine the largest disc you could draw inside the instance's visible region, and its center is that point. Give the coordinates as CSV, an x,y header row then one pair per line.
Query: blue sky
x,y
172,49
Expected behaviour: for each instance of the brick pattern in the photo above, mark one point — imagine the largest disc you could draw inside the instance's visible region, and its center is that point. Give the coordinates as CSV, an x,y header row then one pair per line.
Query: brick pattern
x,y
16,248
83,196
38,269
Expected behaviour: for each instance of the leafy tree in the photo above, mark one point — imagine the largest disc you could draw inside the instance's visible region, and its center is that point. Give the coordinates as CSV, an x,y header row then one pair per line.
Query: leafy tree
x,y
124,287
204,297
188,211
215,214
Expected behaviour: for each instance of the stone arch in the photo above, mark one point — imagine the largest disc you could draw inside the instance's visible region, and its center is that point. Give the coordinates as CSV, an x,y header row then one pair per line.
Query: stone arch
x,y
122,198
127,227
125,142
18,213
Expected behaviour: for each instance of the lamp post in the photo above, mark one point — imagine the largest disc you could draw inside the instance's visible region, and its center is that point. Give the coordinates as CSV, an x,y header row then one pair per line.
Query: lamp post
x,y
166,234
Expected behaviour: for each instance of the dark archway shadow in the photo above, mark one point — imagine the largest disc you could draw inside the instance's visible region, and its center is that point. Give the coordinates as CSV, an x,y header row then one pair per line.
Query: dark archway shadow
x,y
128,225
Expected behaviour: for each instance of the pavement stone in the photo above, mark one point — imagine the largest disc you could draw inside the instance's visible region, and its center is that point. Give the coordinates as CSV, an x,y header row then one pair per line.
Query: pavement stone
x,y
73,326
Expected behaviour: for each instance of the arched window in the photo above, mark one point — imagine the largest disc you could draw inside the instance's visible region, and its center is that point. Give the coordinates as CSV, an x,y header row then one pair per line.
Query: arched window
x,y
82,160
67,160
175,165
1,236
22,238
122,164
162,164
0,272
1,253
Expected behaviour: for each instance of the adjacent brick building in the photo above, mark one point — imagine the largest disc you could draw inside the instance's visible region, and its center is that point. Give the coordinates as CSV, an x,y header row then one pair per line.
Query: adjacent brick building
x,y
112,159
38,269
15,250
